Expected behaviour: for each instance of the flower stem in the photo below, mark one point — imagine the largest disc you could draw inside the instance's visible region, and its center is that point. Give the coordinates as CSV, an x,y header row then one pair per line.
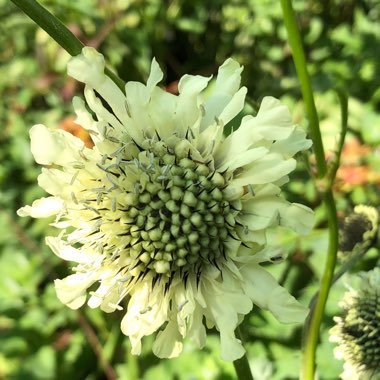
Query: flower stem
x,y
295,42
58,31
346,266
312,326
95,344
242,369
313,323
343,99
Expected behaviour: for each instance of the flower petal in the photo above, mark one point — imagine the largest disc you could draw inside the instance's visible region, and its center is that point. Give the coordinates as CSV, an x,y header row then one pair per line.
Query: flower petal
x,y
229,77
225,101
88,68
197,330
54,181
272,122
244,158
42,208
162,111
155,75
270,168
168,343
72,290
53,146
295,143
147,311
223,308
268,294
233,107
66,251
298,217
266,211
188,112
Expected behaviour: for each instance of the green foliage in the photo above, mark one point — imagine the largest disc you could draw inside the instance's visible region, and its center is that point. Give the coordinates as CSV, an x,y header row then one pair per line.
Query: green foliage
x,y
42,339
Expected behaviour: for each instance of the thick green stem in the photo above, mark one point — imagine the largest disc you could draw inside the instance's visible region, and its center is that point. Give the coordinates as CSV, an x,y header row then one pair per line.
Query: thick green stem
x,y
312,327
58,31
51,25
242,369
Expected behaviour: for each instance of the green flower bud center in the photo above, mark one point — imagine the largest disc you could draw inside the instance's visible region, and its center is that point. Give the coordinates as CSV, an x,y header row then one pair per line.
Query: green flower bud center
x,y
179,218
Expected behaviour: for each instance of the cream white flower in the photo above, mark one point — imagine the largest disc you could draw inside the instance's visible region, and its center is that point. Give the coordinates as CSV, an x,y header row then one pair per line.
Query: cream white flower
x,y
357,331
164,216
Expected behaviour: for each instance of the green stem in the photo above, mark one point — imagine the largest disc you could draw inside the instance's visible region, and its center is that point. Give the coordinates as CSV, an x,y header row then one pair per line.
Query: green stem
x,y
242,369
318,302
51,25
295,42
346,266
312,327
95,344
343,99
58,31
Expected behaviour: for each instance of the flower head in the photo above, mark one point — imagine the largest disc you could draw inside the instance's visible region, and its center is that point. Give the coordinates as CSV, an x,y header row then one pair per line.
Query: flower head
x,y
357,331
359,228
164,216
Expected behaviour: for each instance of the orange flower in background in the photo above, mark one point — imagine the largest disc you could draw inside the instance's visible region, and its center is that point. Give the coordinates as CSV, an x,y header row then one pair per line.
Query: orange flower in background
x,y
354,151
355,169
69,125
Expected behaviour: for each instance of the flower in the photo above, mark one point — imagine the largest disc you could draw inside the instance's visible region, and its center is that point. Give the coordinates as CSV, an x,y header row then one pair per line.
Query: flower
x,y
68,124
357,331
164,216
356,168
359,229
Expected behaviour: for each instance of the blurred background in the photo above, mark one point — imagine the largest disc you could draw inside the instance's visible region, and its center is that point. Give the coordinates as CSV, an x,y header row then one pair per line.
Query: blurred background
x,y
42,339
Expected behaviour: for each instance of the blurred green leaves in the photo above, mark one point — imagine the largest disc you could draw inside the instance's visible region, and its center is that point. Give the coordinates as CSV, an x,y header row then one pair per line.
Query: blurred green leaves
x,y
42,339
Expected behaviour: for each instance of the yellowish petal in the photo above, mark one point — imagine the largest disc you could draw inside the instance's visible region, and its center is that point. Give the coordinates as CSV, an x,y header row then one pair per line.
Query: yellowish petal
x,y
42,208
168,343
72,290
268,294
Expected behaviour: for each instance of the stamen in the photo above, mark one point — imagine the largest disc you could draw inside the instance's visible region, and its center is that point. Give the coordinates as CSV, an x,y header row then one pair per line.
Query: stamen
x,y
74,177
74,198
127,108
